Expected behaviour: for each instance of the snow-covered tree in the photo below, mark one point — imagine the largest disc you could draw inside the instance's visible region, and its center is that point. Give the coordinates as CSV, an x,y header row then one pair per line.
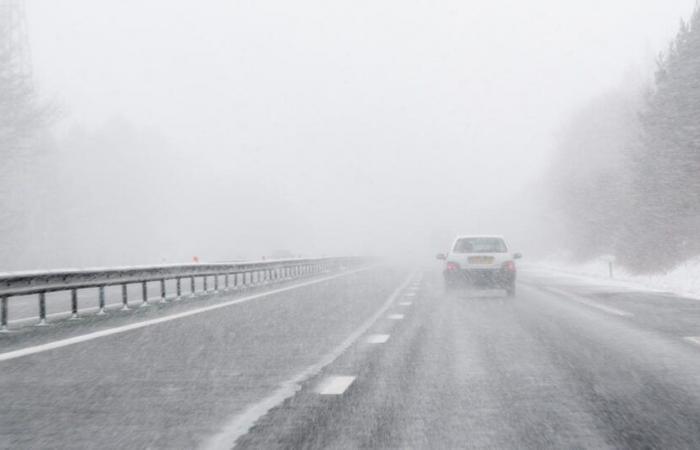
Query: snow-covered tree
x,y
666,223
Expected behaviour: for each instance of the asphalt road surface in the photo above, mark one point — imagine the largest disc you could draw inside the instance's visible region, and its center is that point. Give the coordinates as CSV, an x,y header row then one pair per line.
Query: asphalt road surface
x,y
379,358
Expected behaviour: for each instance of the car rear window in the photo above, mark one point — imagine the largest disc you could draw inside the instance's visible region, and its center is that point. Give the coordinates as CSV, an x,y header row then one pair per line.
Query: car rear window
x,y
480,245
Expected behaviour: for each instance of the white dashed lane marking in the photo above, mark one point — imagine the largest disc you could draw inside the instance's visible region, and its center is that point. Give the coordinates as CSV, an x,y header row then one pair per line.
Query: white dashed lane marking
x,y
694,339
377,338
405,303
411,294
396,316
335,385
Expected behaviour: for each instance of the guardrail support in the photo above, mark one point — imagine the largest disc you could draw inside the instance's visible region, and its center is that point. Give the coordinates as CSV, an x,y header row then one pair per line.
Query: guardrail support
x,y
74,304
226,282
42,309
216,283
206,283
193,286
144,294
3,315
178,288
125,298
162,291
101,295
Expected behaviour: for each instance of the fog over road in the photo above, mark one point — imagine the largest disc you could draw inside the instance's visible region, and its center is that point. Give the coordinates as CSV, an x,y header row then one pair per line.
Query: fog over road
x,y
383,358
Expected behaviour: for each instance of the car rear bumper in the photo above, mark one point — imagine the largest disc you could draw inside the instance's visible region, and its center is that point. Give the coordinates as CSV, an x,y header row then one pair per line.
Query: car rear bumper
x,y
487,278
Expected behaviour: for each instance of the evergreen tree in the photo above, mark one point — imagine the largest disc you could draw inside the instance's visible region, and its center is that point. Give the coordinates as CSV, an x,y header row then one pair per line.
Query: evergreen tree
x,y
665,228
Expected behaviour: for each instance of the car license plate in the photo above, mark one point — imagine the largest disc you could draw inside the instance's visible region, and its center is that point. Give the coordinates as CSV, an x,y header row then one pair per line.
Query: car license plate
x,y
480,260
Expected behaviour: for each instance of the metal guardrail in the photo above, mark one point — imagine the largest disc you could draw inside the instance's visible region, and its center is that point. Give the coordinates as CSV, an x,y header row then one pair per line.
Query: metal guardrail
x,y
235,275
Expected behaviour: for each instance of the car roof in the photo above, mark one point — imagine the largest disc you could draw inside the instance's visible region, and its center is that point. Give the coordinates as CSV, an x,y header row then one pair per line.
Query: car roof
x,y
464,236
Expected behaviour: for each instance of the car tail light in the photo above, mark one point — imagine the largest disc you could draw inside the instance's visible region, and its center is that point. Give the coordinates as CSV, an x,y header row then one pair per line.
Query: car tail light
x,y
509,266
452,266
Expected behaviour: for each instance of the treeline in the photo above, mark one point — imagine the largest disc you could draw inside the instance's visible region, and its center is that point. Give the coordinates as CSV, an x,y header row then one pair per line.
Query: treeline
x,y
626,180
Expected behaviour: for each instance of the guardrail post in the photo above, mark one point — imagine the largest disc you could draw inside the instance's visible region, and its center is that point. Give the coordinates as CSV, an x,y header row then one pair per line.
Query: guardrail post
x,y
226,282
144,294
193,286
206,283
74,304
101,295
162,290
3,315
178,288
216,283
42,309
125,298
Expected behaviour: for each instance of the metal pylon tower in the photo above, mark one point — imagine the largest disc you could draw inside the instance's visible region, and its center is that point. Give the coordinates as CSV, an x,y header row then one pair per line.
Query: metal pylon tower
x,y
14,40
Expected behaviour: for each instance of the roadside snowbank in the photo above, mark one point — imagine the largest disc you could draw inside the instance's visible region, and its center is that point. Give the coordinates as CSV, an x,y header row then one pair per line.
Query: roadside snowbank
x,y
684,280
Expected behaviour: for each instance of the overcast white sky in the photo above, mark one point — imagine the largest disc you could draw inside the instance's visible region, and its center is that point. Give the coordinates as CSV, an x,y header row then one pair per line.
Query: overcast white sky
x,y
395,110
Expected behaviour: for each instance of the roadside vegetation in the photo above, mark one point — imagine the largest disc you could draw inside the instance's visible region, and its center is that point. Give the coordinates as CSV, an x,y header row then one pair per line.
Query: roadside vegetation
x,y
626,180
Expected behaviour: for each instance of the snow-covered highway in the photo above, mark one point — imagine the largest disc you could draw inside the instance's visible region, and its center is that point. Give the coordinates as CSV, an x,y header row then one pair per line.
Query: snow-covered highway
x,y
379,358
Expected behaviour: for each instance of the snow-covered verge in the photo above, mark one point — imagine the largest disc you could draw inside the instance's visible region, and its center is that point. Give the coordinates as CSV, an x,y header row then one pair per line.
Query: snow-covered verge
x,y
684,280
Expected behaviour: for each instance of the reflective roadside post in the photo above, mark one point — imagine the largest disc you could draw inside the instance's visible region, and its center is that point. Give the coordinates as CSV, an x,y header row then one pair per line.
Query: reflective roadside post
x,y
610,259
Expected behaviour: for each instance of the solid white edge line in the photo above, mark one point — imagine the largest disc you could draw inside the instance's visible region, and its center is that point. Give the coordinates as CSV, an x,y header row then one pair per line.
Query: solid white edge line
x,y
335,385
577,299
135,326
241,423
